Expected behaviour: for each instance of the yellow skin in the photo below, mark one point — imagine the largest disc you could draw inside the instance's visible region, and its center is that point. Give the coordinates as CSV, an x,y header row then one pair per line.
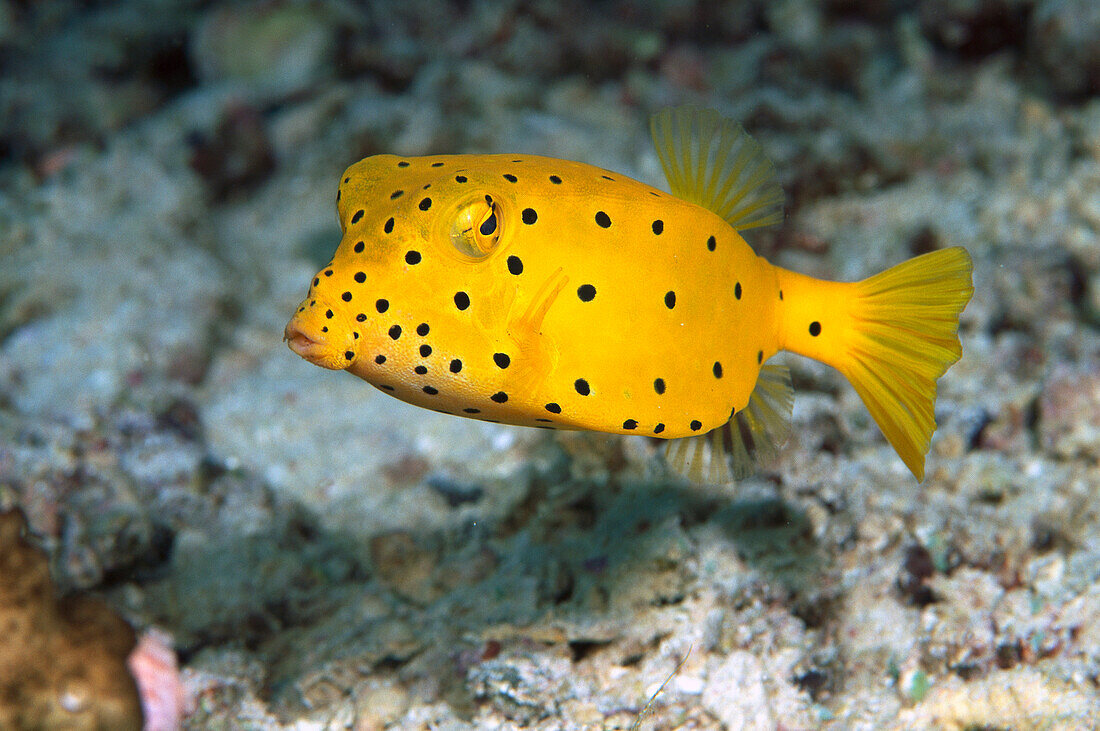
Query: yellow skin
x,y
624,341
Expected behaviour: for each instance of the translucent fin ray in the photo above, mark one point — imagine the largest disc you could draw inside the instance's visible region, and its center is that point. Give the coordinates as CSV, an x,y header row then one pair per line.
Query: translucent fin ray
x,y
752,437
713,162
904,337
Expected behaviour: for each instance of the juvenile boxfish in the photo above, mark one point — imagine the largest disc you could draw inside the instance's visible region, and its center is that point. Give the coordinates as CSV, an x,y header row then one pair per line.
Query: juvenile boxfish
x,y
541,292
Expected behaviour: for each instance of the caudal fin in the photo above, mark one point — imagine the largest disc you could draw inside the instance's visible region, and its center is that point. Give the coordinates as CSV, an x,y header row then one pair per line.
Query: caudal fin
x,y
905,336
891,335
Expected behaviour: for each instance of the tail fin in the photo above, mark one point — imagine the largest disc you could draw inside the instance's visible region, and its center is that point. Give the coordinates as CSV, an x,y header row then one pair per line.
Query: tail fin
x,y
891,335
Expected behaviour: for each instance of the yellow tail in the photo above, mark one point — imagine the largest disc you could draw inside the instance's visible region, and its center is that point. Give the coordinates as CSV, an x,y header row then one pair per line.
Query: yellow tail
x,y
891,335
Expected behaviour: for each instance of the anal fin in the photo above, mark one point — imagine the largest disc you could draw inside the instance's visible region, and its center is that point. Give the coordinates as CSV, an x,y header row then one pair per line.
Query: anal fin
x,y
753,436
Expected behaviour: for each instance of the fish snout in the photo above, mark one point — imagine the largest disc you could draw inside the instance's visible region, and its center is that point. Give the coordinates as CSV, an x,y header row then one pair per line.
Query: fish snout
x,y
321,342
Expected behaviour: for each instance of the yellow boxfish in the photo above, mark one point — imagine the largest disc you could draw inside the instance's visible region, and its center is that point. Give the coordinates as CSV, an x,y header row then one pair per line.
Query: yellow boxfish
x,y
541,292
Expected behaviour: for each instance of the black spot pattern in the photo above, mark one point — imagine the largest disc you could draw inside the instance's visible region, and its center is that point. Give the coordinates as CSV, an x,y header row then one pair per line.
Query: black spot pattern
x,y
499,397
348,355
737,290
515,266
396,194
553,408
502,360
603,220
360,317
712,244
425,350
359,246
422,329
430,391
695,425
658,226
510,178
388,228
425,204
815,328
555,180
659,386
346,296
670,299
420,370
402,164
412,257
384,387
382,306
471,411
717,369
529,216
586,292
379,359
462,300
328,314
360,277
630,424
358,215
395,332
760,356
437,164
460,178
582,387
456,365
658,429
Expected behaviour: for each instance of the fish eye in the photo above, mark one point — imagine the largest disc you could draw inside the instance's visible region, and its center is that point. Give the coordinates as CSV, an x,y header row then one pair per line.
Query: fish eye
x,y
476,228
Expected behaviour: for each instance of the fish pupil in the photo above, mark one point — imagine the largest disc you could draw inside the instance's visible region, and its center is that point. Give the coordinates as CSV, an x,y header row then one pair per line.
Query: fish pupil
x,y
489,225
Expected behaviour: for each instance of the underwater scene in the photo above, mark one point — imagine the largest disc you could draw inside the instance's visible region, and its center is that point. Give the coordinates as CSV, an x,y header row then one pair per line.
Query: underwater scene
x,y
710,365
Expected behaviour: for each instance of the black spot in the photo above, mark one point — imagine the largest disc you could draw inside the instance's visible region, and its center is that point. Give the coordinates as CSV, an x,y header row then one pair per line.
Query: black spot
x,y
401,164
316,281
529,216
509,177
460,178
380,359
346,296
395,332
412,257
659,386
456,365
471,411
555,180
396,194
780,295
337,196
582,387
696,425
515,266
737,290
548,421
360,277
360,317
359,247
602,219
502,360
815,328
670,300
328,314
462,300
421,370
357,216
553,408
586,292
425,350
499,397
422,329
658,429
608,177
437,164
717,369
760,356
328,272
384,387
347,179
382,305
712,244
324,329
430,391
348,355
356,335
630,424
425,204
658,226
388,228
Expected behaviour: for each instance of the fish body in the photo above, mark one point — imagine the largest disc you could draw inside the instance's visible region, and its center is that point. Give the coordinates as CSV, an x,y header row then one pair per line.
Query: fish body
x,y
541,292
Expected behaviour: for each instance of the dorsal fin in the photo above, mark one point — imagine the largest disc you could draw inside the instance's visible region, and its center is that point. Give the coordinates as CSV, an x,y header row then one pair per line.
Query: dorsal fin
x,y
753,436
713,162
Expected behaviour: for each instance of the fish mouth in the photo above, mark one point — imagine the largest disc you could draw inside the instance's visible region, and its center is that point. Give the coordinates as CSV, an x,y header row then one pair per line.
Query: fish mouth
x,y
309,342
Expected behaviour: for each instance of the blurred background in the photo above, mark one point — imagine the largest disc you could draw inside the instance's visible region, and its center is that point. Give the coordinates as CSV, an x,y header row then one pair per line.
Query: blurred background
x,y
315,554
